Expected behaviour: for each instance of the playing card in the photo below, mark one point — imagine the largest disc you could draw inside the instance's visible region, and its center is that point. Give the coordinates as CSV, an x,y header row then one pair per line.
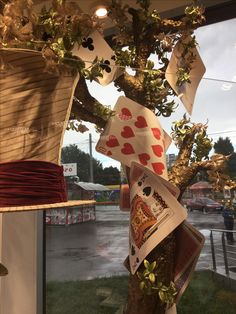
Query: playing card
x,y
134,134
171,310
95,46
154,214
167,140
189,242
187,91
125,194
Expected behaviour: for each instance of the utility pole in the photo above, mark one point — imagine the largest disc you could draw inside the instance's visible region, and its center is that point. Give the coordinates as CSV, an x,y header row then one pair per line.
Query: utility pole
x,y
91,158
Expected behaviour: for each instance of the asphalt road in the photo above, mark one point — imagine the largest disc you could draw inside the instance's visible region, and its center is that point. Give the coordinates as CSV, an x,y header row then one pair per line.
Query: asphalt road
x,y
98,249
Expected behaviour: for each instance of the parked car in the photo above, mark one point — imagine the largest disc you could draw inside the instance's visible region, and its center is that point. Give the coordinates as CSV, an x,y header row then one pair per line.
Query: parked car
x,y
204,204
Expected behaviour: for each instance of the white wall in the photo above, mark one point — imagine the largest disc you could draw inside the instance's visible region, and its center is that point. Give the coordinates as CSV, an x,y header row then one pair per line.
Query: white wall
x,y
20,251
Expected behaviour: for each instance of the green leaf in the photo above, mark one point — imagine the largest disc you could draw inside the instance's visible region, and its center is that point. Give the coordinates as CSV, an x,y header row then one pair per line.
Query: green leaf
x,y
146,264
164,288
153,266
152,277
161,295
150,64
142,285
146,273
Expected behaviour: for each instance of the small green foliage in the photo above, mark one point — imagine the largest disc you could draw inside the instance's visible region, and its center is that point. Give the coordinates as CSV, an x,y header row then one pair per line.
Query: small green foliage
x,y
202,146
180,129
155,16
157,91
194,15
187,59
55,31
124,57
74,125
150,285
200,141
183,76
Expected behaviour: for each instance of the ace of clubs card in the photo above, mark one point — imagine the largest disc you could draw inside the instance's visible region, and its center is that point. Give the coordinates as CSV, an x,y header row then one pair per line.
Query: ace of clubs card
x,y
135,134
154,213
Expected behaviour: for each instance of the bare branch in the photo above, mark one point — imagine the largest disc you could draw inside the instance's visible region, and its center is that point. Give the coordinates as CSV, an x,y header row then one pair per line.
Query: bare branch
x,y
86,107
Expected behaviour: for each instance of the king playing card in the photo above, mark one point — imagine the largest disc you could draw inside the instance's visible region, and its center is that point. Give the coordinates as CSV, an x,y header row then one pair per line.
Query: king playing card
x,y
154,213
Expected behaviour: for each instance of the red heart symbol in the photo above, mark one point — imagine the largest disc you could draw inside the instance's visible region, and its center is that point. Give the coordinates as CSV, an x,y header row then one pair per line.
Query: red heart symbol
x,y
144,158
127,132
157,133
158,167
112,141
109,153
157,150
127,149
125,114
141,122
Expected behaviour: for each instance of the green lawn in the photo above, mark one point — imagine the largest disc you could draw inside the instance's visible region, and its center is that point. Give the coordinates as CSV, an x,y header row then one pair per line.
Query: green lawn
x,y
203,296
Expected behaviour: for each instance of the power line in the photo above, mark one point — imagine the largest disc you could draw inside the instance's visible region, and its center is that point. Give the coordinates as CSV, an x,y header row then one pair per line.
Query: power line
x,y
222,132
153,70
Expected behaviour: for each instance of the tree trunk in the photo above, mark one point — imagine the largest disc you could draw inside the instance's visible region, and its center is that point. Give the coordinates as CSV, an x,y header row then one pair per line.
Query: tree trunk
x,y
138,303
163,254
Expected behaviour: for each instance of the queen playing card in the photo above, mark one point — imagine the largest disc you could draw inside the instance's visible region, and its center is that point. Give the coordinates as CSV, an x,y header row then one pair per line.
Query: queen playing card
x,y
135,134
155,213
187,91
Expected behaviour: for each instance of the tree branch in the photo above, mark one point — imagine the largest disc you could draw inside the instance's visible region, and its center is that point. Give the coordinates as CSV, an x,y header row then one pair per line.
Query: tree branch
x,y
182,173
87,108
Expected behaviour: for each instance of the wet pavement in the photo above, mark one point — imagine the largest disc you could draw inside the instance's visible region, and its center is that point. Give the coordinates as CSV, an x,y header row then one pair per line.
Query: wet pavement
x,y
98,248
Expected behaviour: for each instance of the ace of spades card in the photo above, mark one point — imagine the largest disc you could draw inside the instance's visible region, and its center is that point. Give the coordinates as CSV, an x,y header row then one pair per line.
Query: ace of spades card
x,y
95,46
154,213
187,91
135,134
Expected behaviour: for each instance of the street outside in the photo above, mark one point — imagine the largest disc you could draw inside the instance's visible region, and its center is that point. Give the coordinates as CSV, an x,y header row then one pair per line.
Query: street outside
x,y
98,248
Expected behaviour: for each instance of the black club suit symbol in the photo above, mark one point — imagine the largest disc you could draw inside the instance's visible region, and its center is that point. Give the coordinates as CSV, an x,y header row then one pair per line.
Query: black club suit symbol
x,y
88,43
105,66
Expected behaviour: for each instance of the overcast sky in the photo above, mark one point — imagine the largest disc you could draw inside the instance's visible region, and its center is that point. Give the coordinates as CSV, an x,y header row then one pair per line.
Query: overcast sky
x,y
216,96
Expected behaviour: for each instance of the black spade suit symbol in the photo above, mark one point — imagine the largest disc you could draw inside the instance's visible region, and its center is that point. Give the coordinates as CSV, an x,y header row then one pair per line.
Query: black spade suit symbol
x,y
147,191
88,43
132,250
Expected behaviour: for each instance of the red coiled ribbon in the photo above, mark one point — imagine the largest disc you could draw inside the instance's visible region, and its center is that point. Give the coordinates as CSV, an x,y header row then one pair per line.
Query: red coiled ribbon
x,y
31,183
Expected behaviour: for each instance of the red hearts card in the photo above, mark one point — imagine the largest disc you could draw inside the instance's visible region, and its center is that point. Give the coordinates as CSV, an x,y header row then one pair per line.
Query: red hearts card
x,y
187,91
135,134
154,212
